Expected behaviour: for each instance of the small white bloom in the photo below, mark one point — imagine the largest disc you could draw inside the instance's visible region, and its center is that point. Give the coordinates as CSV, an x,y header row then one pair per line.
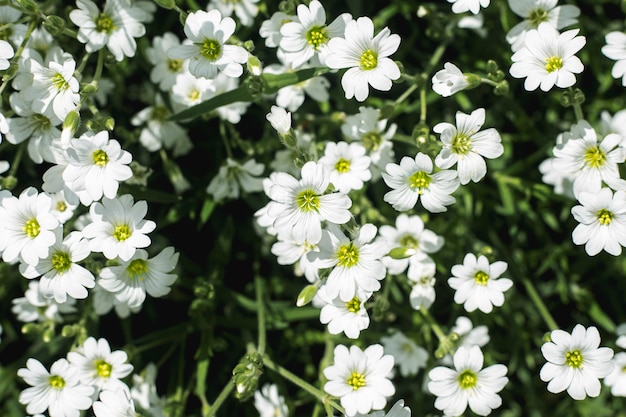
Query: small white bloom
x,y
465,145
467,384
165,69
347,164
478,283
233,177
270,28
563,183
348,317
602,218
280,119
144,393
34,307
575,362
6,53
245,10
547,58
615,49
114,403
361,379
422,277
366,56
413,180
269,403
118,227
190,90
462,6
290,252
617,379
449,80
209,53
409,357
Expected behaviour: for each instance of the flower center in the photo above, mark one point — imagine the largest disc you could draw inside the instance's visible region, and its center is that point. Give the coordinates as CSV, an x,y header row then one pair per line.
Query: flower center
x,y
342,165
194,95
407,347
308,200
605,216
104,24
481,278
409,241
537,16
100,158
553,63
56,382
59,82
317,36
137,268
160,113
175,65
574,359
211,49
461,144
354,305
61,262
467,379
348,255
420,181
369,60
32,228
103,368
372,140
121,232
594,157
42,122
61,206
356,380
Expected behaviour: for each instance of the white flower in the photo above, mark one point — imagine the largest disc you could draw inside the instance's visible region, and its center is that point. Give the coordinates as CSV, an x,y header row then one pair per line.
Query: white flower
x,y
467,384
462,6
478,283
575,362
6,53
289,252
602,218
114,403
233,176
413,180
465,145
26,226
348,317
547,58
95,166
563,183
409,357
422,277
190,90
144,394
615,49
118,227
347,164
299,206
60,274
245,10
536,12
133,278
468,334
360,378
617,379
34,307
449,80
280,119
356,264
165,69
98,366
588,160
59,391
366,56
269,403
209,52
270,28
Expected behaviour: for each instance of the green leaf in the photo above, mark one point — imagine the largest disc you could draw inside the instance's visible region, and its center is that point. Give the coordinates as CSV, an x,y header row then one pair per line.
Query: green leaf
x,y
274,82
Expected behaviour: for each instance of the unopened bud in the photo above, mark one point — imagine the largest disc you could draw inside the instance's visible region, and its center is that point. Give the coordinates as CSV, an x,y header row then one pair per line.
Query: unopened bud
x,y
166,4
29,5
254,65
54,25
306,295
401,253
502,88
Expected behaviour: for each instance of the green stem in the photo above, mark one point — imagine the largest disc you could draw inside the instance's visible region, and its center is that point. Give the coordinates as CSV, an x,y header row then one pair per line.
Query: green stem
x,y
17,159
541,307
258,285
405,95
320,395
210,412
434,326
423,106
489,82
578,110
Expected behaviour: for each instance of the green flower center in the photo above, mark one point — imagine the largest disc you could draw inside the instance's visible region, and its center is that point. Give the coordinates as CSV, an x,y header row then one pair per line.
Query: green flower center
x,y
56,382
461,144
104,24
175,65
42,122
356,380
160,113
121,232
308,200
211,49
61,262
537,16
194,95
100,158
594,157
407,347
420,181
372,140
59,82
6,32
61,206
103,368
369,60
409,241
137,268
354,305
574,359
317,36
481,278
467,379
32,228
342,165
605,216
553,63
348,255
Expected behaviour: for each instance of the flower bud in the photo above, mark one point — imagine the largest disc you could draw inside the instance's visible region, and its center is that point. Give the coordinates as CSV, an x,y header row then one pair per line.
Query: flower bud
x,y
306,295
254,65
166,4
401,253
54,25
